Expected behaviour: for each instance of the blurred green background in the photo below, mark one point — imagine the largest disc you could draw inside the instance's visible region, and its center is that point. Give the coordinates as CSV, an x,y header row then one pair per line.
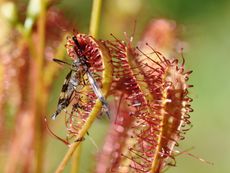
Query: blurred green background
x,y
205,27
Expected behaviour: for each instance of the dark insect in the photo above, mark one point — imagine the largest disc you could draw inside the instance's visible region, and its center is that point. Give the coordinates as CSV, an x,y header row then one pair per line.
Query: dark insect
x,y
75,78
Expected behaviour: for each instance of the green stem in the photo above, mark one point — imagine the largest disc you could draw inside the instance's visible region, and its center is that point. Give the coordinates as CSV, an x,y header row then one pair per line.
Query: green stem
x,y
95,16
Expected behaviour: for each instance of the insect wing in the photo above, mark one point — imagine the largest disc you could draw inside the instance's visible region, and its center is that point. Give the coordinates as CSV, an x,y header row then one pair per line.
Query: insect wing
x,y
98,92
64,97
93,83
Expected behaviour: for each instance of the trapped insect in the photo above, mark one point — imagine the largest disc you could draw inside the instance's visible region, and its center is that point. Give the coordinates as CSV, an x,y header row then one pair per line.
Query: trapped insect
x,y
75,78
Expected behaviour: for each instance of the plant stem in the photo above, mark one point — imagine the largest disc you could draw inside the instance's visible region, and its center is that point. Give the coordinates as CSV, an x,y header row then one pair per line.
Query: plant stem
x,y
76,160
95,16
41,94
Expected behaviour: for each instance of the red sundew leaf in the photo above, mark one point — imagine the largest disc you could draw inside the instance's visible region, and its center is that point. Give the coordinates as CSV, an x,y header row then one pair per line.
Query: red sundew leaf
x,y
127,80
174,107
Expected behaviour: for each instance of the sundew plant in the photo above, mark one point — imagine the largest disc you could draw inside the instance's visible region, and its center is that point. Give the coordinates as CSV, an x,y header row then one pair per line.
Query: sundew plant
x,y
137,83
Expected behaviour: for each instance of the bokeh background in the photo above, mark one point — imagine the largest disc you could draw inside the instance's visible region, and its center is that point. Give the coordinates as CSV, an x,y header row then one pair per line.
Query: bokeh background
x,y
204,28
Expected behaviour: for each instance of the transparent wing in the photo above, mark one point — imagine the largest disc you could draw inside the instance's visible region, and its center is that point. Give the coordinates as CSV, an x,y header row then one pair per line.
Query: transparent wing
x,y
98,92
